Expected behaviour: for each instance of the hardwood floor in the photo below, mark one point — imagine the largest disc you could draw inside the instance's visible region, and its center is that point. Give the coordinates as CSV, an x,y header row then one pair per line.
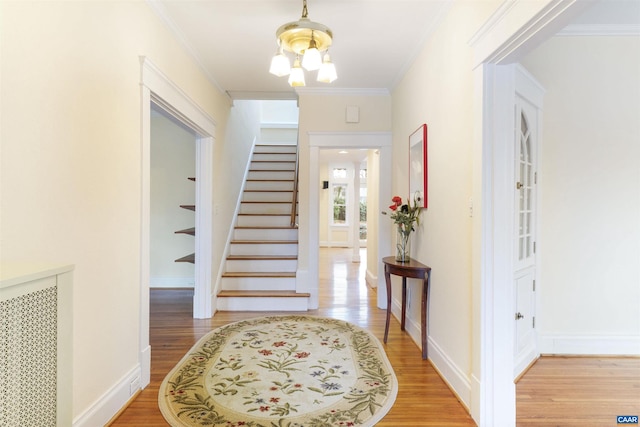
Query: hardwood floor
x,y
555,392
578,391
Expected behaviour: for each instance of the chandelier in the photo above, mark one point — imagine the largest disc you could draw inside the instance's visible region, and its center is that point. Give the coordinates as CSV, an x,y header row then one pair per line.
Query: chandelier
x,y
306,40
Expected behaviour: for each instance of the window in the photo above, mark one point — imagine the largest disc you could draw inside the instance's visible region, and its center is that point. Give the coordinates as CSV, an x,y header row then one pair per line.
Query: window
x,y
363,211
340,173
339,203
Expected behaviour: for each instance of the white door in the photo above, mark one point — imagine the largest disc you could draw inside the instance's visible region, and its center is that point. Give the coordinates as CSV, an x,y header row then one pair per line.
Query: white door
x,y
526,126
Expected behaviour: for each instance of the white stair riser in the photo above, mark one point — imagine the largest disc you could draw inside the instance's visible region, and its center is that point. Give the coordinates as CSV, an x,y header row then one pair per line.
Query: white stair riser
x,y
258,283
283,148
267,196
267,174
265,208
269,185
262,304
263,249
274,157
264,221
265,234
273,166
261,265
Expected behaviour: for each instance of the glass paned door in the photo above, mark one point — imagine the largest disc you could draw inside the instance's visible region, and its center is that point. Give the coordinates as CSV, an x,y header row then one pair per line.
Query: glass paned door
x,y
525,190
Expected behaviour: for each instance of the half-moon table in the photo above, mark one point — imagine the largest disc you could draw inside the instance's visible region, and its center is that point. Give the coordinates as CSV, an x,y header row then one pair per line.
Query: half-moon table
x,y
414,270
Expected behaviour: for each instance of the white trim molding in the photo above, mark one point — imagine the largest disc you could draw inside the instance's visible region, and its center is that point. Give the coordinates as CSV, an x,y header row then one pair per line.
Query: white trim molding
x,y
104,408
518,26
601,30
509,34
157,88
550,344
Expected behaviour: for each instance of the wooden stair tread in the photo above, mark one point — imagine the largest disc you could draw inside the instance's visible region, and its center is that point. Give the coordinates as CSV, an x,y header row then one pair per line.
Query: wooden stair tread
x,y
191,231
265,214
263,294
261,257
270,180
265,227
273,161
189,258
259,274
266,242
189,207
268,191
265,201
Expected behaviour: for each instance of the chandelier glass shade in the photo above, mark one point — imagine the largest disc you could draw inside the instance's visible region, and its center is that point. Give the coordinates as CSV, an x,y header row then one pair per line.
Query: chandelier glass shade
x,y
307,40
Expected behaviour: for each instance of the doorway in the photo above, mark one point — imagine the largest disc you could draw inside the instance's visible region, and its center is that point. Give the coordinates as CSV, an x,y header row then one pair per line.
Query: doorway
x,y
378,243
157,89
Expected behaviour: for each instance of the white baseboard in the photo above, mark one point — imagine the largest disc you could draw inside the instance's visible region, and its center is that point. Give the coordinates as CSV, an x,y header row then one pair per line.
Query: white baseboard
x,y
371,279
337,244
145,367
450,372
589,345
172,282
455,377
474,407
103,409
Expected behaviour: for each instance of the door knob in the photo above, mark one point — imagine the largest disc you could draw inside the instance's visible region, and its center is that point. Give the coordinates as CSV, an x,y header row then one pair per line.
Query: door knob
x,y
518,185
519,316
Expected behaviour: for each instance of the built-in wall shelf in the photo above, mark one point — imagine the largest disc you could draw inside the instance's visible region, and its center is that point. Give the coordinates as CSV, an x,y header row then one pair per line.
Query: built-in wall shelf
x,y
190,231
189,258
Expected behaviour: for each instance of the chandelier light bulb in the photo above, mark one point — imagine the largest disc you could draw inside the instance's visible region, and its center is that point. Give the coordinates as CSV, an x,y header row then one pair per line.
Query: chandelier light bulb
x,y
327,72
280,65
312,60
296,78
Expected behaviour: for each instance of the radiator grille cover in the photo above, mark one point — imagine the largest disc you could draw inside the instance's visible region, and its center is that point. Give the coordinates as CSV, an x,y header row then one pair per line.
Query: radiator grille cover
x,y
28,359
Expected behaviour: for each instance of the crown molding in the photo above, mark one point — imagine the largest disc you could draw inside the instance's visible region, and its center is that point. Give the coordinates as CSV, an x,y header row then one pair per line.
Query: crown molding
x,y
159,9
342,91
600,30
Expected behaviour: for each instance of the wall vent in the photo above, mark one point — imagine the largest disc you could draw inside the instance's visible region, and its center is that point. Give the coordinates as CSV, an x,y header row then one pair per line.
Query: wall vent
x,y
28,359
36,345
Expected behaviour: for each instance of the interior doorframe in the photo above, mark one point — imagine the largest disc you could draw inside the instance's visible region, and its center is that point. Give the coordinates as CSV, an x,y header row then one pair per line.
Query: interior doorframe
x,y
157,88
372,140
511,32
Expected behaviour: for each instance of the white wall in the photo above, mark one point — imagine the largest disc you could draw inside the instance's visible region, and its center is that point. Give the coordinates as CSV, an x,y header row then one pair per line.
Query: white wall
x,y
70,177
279,121
589,240
438,90
232,157
173,161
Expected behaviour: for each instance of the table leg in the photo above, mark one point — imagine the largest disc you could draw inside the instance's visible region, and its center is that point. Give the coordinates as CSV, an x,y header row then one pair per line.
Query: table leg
x,y
423,314
404,303
387,277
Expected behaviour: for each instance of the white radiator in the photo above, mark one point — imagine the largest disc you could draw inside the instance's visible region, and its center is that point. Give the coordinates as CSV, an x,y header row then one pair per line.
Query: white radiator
x,y
35,346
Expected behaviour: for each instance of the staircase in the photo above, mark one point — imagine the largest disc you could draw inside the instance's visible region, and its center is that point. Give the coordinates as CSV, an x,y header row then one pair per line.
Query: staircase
x,y
260,270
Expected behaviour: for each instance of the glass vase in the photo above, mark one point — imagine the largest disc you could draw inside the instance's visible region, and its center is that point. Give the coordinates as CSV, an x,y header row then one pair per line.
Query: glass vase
x,y
403,244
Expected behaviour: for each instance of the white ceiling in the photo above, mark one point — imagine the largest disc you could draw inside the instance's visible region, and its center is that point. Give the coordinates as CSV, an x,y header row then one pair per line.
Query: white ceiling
x,y
234,40
375,41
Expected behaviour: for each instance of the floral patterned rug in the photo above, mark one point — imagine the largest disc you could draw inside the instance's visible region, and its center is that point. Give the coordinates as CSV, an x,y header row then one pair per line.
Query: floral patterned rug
x,y
281,371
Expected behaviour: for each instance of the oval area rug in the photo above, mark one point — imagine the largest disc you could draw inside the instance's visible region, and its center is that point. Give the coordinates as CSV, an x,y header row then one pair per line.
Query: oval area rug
x,y
281,371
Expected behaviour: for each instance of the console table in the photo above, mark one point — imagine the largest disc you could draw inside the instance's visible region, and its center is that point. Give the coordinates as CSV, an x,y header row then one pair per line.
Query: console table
x,y
415,270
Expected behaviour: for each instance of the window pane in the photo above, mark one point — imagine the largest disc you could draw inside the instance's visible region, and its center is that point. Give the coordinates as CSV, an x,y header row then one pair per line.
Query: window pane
x,y
339,173
339,204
